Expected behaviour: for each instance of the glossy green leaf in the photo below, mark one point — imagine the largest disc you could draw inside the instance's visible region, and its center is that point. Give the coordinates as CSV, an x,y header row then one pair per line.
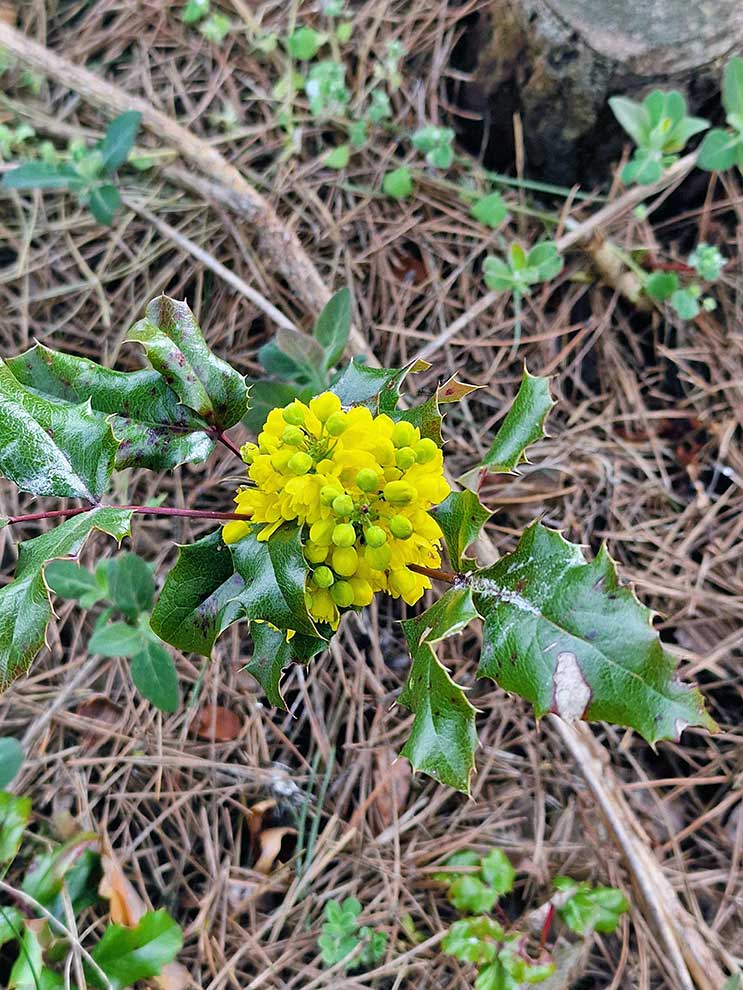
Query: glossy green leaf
x,y
47,448
199,598
103,203
377,388
566,636
25,608
15,813
153,429
115,639
272,653
274,573
268,395
11,759
44,880
121,134
131,586
176,348
589,909
154,675
333,327
28,971
523,425
11,924
470,895
127,955
443,738
461,517
497,871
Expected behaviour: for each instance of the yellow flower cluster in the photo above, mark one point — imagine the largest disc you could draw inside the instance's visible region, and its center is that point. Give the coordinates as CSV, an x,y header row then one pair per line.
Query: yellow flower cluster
x,y
361,485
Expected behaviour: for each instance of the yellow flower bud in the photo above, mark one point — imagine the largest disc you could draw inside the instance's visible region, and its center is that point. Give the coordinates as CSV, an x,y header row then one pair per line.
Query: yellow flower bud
x,y
342,594
337,424
401,527
404,434
323,406
378,558
248,452
362,592
425,450
375,536
399,492
299,463
323,577
328,493
402,581
321,532
405,458
281,458
368,480
343,505
345,561
315,553
294,414
293,436
344,535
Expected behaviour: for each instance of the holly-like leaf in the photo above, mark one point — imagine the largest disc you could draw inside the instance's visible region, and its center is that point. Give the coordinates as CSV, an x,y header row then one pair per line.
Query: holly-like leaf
x,y
153,429
127,955
199,598
523,425
11,924
377,388
176,348
443,738
565,635
272,653
453,390
25,608
274,572
461,516
51,448
45,878
14,816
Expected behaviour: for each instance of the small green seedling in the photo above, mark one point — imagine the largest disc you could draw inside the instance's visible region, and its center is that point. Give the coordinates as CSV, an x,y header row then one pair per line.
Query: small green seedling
x,y
398,184
589,909
63,879
380,107
299,366
722,149
304,43
125,586
707,261
14,139
436,145
660,128
522,269
685,298
195,11
389,68
332,8
487,878
341,935
326,89
216,28
499,956
490,210
91,172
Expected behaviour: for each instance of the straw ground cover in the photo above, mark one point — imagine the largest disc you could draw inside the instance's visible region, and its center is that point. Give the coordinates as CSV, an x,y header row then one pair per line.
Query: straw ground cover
x,y
645,454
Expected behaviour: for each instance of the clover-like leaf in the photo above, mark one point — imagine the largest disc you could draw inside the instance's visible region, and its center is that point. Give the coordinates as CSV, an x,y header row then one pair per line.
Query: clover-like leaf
x,y
176,348
443,738
274,572
153,429
25,608
52,448
461,516
199,598
522,426
566,636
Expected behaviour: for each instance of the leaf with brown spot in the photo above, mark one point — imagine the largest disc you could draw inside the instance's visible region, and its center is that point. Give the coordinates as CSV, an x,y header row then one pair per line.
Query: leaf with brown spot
x,y
218,724
454,390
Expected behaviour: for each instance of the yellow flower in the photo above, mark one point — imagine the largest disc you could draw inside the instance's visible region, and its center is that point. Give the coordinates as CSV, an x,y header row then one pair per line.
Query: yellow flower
x,y
343,474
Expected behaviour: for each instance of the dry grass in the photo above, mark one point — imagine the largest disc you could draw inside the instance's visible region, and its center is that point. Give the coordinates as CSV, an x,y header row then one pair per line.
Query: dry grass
x,y
645,453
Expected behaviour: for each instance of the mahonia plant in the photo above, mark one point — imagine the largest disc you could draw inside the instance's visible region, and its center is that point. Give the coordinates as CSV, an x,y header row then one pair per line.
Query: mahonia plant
x,y
344,498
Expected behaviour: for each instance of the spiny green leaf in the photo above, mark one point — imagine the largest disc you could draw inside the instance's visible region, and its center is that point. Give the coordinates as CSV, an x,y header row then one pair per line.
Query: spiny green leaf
x,y
268,395
272,653
565,635
443,738
333,326
377,388
461,517
176,348
14,816
523,425
275,573
153,429
47,448
45,878
25,608
11,759
154,675
129,954
120,136
199,598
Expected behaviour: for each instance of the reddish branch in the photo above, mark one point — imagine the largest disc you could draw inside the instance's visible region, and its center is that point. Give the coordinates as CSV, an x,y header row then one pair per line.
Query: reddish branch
x,y
143,510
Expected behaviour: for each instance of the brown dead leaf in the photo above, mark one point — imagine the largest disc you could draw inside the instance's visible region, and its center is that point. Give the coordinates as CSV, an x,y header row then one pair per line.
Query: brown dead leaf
x,y
99,709
394,774
218,724
8,14
256,813
407,265
271,840
174,976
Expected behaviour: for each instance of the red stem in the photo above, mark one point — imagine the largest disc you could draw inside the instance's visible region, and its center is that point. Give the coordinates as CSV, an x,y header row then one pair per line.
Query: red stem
x,y
434,574
143,510
223,438
546,927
